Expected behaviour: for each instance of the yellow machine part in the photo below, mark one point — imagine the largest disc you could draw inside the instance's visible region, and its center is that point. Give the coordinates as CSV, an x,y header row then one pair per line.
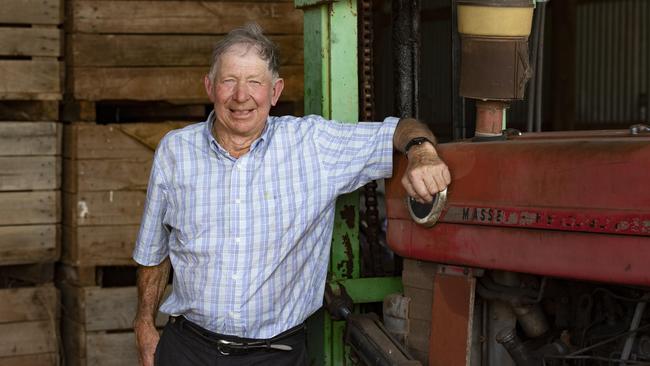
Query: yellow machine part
x,y
495,21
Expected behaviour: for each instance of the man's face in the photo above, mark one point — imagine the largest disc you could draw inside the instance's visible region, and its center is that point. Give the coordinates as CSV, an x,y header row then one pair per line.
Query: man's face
x,y
243,91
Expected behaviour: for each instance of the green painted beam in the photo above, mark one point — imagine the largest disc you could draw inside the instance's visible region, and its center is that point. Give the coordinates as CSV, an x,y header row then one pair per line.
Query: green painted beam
x,y
370,289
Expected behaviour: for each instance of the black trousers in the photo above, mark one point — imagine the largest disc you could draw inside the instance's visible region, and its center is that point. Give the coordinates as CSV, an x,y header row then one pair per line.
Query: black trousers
x,y
185,344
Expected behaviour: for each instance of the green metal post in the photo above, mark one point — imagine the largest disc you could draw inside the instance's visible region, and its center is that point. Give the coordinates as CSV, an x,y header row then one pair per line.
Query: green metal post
x,y
331,90
330,36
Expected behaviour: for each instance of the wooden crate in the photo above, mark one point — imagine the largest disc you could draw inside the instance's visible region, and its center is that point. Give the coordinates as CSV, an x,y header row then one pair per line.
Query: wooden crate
x,y
30,163
417,278
29,320
106,172
160,50
29,49
97,326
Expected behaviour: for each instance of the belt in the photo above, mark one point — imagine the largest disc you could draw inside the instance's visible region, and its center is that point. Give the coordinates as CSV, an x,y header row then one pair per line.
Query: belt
x,y
231,345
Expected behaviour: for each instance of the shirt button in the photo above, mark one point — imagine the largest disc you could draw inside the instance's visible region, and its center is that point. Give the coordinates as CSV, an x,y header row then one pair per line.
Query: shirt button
x,y
237,201
235,276
237,240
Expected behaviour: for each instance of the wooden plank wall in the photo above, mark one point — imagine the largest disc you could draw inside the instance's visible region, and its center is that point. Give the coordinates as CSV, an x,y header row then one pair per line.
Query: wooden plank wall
x,y
30,162
160,50
29,328
30,45
106,171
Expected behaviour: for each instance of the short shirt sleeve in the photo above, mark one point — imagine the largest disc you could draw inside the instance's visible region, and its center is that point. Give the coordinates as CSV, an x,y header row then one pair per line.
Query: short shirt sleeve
x,y
355,154
151,246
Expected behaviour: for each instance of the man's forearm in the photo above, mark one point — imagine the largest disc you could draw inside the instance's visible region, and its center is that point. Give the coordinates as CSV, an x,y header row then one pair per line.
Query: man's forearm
x,y
408,129
151,288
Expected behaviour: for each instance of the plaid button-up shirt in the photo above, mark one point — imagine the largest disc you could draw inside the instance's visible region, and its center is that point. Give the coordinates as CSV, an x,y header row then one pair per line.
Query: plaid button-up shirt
x,y
249,238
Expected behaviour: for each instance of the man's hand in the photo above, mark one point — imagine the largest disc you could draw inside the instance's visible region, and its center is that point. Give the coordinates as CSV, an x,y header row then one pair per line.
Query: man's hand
x,y
426,173
146,337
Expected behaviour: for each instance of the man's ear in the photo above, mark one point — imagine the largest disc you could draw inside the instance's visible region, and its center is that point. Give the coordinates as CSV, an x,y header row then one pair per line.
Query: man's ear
x,y
278,86
209,87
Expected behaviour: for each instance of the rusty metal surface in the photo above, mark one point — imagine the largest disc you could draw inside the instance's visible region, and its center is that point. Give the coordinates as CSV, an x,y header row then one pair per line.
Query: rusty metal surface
x,y
489,117
494,68
576,208
451,320
371,252
406,41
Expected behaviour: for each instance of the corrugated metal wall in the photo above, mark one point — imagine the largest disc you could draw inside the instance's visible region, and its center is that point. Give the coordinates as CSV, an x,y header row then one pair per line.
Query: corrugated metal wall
x,y
612,62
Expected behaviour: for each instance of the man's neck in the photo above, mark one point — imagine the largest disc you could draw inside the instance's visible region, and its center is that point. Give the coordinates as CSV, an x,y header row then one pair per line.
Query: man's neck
x,y
236,145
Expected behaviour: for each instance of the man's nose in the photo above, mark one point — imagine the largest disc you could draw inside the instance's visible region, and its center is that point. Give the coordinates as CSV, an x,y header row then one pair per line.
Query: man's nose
x,y
241,92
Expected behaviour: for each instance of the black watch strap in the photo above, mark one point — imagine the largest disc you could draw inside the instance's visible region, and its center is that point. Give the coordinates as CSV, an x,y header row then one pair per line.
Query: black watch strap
x,y
416,141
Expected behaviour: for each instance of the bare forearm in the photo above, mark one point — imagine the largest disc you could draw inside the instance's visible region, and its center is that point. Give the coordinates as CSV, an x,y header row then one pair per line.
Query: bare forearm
x,y
426,174
408,129
151,287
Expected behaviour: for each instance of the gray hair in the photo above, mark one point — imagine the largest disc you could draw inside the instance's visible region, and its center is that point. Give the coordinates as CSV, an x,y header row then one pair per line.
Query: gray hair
x,y
252,35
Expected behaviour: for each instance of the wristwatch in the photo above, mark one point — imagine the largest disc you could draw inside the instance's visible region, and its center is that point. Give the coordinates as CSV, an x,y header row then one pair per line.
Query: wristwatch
x,y
416,141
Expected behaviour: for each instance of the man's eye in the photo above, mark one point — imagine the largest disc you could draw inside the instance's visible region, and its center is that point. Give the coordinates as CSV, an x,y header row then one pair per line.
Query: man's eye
x,y
255,82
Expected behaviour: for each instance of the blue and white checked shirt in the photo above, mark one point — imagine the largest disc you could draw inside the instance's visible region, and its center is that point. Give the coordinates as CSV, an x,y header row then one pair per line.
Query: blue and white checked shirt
x,y
249,238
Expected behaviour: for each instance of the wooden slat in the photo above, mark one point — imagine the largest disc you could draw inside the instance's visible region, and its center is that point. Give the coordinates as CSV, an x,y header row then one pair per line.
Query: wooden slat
x,y
184,17
30,79
99,245
30,41
97,348
105,175
97,308
103,208
418,274
28,110
29,304
28,244
24,173
32,12
161,50
43,359
161,83
27,338
129,141
102,349
23,208
30,138
420,304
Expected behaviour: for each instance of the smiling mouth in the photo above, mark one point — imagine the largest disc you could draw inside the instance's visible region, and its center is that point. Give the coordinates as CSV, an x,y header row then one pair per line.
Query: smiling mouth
x,y
241,112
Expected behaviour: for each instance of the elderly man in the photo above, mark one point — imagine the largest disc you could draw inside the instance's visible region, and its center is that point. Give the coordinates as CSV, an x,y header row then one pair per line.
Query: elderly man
x,y
242,207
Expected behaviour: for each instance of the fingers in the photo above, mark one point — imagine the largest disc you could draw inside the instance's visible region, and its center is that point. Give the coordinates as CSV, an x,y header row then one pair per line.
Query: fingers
x,y
424,181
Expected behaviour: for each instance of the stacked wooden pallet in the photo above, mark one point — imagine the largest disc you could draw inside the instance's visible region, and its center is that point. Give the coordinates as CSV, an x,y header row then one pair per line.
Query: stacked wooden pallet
x,y
160,50
106,171
29,242
29,49
30,168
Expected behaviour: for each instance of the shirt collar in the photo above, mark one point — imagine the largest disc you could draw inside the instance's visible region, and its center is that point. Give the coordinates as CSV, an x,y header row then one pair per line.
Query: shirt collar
x,y
209,123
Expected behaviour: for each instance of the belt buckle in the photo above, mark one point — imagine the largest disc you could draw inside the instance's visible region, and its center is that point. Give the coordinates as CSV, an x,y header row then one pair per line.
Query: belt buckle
x,y
224,344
